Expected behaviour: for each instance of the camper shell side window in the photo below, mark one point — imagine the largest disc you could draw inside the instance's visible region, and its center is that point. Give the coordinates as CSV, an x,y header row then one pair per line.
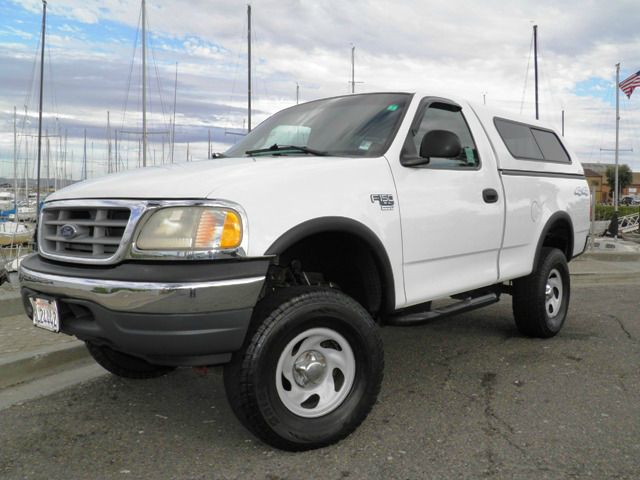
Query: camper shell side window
x,y
529,142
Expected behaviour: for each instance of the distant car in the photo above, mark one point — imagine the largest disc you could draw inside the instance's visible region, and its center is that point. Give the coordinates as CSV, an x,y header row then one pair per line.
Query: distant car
x,y
630,200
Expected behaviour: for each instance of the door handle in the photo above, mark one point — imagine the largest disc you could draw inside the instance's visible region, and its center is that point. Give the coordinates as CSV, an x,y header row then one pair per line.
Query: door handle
x,y
489,195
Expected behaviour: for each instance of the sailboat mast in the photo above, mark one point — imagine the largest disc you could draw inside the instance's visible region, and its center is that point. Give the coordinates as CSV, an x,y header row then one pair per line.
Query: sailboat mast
x,y
353,69
109,166
535,65
56,157
26,158
249,67
144,86
173,127
115,166
615,193
48,160
15,163
83,175
64,165
44,23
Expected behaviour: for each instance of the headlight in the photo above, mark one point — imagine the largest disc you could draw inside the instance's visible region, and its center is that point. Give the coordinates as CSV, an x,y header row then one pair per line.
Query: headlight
x,y
191,228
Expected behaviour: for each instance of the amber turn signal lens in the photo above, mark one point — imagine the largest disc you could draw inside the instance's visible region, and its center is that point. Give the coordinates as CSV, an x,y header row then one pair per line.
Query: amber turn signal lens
x,y
232,231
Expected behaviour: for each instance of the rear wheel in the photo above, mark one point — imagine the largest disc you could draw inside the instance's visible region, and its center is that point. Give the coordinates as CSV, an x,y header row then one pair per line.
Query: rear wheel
x,y
310,370
541,299
124,365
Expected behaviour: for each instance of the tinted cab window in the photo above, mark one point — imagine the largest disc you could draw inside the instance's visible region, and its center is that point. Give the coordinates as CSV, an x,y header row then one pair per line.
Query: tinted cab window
x,y
442,116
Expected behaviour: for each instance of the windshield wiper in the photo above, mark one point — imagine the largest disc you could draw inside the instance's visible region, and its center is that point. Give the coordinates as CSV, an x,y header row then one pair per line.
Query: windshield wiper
x,y
283,148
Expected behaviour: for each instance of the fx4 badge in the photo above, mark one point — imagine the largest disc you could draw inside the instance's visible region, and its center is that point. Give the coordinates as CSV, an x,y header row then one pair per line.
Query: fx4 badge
x,y
385,200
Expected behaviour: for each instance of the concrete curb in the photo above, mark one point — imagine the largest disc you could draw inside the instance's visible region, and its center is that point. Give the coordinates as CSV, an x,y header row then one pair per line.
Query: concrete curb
x,y
27,366
612,256
592,278
10,304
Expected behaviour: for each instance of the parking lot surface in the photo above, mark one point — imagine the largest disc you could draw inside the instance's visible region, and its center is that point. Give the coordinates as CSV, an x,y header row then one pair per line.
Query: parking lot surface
x,y
463,397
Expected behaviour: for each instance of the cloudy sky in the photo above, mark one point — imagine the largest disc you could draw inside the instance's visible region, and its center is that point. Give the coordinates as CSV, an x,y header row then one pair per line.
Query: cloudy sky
x,y
472,49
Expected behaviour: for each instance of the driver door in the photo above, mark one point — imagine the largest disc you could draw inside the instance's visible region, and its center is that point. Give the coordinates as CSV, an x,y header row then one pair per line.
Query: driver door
x,y
451,230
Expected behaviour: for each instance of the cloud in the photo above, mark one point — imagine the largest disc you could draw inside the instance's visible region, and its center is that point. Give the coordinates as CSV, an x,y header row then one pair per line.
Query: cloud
x,y
460,48
18,33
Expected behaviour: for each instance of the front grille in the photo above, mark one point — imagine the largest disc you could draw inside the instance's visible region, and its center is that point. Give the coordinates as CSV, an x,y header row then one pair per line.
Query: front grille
x,y
83,232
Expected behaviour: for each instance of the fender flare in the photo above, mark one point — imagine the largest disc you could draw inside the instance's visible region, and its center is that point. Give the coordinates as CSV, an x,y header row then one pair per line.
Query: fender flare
x,y
344,225
551,222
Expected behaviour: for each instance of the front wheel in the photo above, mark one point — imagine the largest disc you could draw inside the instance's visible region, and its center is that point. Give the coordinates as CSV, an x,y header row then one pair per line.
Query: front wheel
x,y
541,299
310,371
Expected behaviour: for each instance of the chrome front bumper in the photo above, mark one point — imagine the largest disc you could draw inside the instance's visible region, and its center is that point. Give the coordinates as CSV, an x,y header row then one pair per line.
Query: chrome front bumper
x,y
149,297
170,314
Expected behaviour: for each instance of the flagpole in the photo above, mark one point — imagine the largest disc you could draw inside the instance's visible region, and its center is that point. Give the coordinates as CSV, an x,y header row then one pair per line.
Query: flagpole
x,y
535,65
615,193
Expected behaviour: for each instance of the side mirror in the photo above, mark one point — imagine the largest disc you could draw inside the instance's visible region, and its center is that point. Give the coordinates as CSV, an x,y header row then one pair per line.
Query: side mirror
x,y
440,143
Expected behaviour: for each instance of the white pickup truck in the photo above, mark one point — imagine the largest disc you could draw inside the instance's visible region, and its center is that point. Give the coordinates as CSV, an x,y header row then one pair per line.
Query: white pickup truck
x,y
282,258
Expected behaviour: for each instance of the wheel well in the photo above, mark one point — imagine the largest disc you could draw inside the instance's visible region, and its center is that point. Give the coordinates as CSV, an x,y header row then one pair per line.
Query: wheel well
x,y
558,234
339,259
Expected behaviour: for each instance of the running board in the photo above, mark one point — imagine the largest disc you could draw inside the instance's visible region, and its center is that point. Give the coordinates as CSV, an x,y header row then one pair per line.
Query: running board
x,y
419,318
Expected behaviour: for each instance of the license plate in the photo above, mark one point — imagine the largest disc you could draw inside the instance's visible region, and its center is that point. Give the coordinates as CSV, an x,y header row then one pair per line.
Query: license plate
x,y
45,313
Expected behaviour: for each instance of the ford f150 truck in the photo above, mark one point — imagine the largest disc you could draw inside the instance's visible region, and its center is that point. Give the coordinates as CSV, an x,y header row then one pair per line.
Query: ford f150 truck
x,y
282,258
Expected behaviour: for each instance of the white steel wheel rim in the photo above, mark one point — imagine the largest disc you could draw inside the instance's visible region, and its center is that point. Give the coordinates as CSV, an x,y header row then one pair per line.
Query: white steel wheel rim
x,y
302,361
553,294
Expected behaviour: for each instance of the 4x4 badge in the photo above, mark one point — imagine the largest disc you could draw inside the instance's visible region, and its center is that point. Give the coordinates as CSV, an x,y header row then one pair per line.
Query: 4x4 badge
x,y
385,200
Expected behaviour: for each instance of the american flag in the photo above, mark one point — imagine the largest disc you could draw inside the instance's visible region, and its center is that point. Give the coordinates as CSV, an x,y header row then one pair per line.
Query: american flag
x,y
630,83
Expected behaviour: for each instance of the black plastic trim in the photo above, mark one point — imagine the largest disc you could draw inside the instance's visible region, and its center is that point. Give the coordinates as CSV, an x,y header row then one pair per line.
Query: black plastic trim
x,y
584,249
343,224
533,173
553,219
168,339
163,272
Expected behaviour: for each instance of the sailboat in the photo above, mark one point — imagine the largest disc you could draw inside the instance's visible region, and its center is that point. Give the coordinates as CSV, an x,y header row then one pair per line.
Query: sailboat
x,y
146,153
6,201
14,233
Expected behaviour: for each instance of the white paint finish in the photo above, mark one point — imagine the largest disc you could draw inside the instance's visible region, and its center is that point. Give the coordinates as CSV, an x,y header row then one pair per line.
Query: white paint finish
x,y
276,192
289,191
451,237
179,180
551,194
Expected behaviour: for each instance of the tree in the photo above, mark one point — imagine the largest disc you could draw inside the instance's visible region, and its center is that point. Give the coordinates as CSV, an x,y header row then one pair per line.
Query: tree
x,y
624,178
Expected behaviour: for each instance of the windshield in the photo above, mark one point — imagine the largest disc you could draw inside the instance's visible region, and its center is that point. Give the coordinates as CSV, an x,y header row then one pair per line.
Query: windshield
x,y
355,125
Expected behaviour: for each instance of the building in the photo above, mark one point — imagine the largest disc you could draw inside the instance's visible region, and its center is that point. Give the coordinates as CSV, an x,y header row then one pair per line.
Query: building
x,y
596,174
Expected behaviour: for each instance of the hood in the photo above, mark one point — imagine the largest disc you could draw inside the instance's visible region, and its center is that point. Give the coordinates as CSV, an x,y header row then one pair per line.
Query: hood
x,y
201,179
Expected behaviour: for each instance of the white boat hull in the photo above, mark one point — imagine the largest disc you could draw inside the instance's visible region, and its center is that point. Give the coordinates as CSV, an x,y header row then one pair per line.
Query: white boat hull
x,y
12,233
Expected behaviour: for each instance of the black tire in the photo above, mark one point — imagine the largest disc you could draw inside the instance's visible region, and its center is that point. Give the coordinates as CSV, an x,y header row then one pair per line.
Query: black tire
x,y
537,315
281,319
124,365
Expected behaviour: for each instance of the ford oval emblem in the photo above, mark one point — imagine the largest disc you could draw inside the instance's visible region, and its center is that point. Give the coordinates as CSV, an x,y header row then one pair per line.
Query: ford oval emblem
x,y
68,231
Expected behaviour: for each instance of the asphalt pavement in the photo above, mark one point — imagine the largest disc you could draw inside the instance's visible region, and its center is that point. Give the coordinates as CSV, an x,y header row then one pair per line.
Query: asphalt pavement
x,y
463,397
